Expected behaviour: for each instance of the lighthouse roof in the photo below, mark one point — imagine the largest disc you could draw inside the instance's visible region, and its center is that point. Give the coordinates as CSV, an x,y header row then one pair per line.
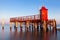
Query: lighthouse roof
x,y
43,8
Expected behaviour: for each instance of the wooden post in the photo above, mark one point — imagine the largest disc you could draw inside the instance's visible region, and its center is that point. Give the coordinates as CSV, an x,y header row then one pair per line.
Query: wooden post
x,y
54,24
2,25
44,25
50,27
20,25
27,25
10,26
32,26
41,25
35,25
16,25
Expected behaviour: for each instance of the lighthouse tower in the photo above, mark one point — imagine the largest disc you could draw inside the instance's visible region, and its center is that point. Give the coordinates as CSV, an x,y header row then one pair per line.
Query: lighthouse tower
x,y
44,14
44,17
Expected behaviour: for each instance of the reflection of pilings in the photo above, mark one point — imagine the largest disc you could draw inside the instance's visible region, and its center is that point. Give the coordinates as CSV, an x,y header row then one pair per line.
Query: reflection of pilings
x,y
28,35
46,35
3,34
21,35
15,36
53,34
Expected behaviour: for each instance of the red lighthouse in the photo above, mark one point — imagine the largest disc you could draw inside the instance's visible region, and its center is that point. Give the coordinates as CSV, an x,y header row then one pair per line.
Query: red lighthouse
x,y
44,14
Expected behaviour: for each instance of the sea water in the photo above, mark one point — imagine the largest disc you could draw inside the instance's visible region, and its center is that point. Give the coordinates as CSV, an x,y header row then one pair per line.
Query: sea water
x,y
7,34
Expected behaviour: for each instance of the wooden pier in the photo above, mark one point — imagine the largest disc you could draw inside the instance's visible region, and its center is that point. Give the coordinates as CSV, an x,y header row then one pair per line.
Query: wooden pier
x,y
35,20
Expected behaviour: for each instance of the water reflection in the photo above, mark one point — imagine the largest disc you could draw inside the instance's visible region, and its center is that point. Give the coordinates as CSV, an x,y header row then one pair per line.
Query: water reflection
x,y
33,35
2,34
28,35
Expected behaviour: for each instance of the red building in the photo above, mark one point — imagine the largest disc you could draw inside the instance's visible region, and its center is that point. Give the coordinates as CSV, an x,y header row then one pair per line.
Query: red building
x,y
43,14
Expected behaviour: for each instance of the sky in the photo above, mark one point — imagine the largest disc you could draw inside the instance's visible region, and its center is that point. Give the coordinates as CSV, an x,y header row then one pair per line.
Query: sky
x,y
17,8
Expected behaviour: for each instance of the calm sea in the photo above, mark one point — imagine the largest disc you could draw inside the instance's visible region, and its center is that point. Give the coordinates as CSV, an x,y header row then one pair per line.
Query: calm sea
x,y
6,34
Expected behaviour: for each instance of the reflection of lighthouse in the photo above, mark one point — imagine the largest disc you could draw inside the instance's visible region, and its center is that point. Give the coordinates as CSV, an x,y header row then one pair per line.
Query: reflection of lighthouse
x,y
3,23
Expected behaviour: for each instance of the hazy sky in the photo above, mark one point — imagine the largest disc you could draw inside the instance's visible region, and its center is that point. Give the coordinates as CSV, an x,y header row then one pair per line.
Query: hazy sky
x,y
15,8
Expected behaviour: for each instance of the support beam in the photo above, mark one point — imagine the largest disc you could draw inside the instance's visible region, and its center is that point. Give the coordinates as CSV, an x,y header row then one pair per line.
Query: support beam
x,y
27,25
35,25
44,25
16,25
38,27
10,26
21,25
32,26
2,25
54,24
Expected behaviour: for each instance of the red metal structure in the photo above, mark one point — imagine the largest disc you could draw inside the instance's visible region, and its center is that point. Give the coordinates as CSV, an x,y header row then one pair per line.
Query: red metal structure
x,y
42,16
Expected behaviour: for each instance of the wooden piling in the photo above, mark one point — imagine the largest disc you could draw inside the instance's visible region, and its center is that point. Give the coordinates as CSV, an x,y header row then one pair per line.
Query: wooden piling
x,y
35,25
15,25
54,24
21,25
27,25
44,25
10,26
